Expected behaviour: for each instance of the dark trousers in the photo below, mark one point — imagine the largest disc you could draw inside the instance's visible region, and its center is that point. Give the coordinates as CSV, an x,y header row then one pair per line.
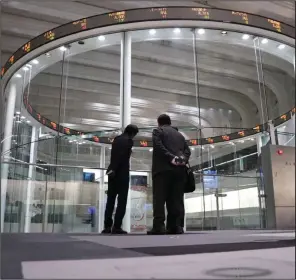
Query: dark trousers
x,y
117,188
168,188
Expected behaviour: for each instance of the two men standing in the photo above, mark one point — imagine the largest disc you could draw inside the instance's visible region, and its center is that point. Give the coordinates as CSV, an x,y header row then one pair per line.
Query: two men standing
x,y
170,156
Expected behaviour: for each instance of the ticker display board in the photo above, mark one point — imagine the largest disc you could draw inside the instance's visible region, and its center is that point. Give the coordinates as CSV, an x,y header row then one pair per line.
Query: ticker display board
x,y
150,14
145,143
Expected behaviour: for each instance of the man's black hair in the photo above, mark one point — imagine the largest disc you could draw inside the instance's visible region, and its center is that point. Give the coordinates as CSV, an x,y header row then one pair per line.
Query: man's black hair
x,y
164,119
131,129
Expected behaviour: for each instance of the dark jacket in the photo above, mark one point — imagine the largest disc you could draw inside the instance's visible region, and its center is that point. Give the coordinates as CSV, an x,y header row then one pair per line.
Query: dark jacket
x,y
167,144
120,154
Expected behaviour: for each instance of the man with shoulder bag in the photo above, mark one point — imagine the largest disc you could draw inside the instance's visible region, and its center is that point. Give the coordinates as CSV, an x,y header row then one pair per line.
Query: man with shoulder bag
x,y
169,174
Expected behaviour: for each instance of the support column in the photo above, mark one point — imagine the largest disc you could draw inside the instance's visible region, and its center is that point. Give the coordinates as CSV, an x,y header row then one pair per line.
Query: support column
x,y
6,144
125,103
272,133
31,179
101,193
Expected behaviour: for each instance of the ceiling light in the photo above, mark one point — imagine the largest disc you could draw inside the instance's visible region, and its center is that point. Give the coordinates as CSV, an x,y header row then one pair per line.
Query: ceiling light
x,y
201,31
264,41
28,121
25,68
83,142
224,32
192,149
252,139
70,141
35,61
150,150
48,55
231,143
246,37
177,30
101,38
29,65
63,48
281,47
17,113
212,146
152,31
18,75
22,117
242,141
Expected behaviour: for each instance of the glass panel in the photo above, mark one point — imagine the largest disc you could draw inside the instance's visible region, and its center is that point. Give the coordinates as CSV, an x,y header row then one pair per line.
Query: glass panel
x,y
276,66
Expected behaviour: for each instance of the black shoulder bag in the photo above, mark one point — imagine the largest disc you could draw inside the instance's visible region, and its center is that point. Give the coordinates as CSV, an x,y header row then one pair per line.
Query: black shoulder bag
x,y
190,180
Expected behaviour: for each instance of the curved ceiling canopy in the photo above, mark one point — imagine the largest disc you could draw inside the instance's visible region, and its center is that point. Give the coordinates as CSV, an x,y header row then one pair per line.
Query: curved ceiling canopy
x,y
157,18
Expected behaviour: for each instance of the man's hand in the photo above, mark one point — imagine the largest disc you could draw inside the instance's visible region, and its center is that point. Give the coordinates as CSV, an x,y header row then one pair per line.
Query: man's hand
x,y
177,161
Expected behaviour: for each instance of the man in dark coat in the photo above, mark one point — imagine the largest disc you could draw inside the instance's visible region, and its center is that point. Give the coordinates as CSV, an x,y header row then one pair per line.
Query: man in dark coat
x,y
170,155
118,179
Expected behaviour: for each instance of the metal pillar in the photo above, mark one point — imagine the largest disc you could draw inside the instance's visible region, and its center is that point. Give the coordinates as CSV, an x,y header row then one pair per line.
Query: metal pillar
x,y
101,193
31,177
6,144
125,103
272,133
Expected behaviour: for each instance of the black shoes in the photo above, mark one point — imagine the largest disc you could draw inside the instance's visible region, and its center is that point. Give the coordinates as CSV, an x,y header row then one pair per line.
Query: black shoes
x,y
178,230
106,231
154,231
118,231
113,231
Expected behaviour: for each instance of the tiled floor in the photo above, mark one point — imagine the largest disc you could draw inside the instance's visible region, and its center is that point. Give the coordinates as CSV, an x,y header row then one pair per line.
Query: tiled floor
x,y
258,264
195,255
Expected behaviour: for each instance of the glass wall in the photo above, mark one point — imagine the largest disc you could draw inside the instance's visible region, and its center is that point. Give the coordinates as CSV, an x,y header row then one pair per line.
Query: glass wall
x,y
217,86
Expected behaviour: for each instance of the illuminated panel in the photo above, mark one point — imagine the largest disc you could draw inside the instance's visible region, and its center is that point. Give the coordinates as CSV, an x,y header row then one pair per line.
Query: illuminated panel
x,y
162,11
117,16
11,60
27,47
193,142
143,143
241,133
210,140
243,16
53,125
67,130
275,24
256,128
225,138
81,23
49,35
96,138
202,12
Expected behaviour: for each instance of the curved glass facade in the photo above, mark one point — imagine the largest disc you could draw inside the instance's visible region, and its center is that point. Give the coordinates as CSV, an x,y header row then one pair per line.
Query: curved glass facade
x,y
211,82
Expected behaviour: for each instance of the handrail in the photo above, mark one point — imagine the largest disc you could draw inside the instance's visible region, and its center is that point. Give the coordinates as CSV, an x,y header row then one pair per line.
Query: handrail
x,y
99,168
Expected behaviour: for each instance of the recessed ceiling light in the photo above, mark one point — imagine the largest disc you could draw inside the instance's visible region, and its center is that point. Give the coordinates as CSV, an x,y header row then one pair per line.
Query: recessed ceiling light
x,y
48,55
101,38
246,37
63,48
177,30
18,75
224,32
201,31
152,31
281,47
35,61
25,68
264,41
